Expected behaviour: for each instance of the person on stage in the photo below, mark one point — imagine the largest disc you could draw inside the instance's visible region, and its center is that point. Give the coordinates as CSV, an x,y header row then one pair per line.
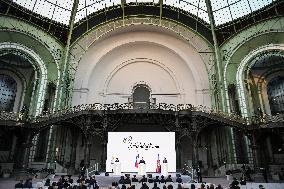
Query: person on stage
x,y
142,161
165,160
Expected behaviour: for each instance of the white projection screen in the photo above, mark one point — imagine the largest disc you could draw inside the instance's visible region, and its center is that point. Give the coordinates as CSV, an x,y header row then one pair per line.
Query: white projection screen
x,y
126,146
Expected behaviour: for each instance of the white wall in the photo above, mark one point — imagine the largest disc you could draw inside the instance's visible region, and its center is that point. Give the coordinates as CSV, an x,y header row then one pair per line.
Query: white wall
x,y
171,67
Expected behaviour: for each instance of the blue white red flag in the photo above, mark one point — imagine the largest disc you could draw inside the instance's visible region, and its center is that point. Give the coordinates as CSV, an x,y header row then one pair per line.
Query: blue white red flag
x,y
136,161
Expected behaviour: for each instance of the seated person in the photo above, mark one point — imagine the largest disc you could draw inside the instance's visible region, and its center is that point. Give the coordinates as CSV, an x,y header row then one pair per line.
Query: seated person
x,y
134,179
157,180
234,183
219,187
116,160
162,179
179,180
144,186
121,180
155,186
123,186
169,179
179,186
19,185
202,186
127,180
170,186
143,179
28,183
150,179
70,180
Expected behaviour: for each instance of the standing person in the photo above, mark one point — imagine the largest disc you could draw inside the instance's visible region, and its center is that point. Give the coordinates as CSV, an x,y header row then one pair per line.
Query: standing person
x,y
199,176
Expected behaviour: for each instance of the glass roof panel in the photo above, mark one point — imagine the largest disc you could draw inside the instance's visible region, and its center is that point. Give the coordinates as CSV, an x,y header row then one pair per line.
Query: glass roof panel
x,y
223,10
237,9
58,10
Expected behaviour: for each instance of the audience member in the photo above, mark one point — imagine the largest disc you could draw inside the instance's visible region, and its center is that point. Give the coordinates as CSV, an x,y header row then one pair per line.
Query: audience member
x,y
155,186
211,186
127,180
202,186
234,183
134,179
179,180
19,185
162,179
144,186
243,181
28,183
143,179
219,187
121,180
169,179
179,186
170,186
157,180
123,186
164,187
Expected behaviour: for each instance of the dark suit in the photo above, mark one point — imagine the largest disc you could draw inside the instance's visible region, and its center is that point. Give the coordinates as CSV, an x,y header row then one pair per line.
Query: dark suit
x,y
134,179
179,180
142,161
165,161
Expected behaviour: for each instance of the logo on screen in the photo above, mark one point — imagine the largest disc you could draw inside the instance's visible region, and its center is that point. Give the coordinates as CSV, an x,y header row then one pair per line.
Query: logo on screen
x,y
138,145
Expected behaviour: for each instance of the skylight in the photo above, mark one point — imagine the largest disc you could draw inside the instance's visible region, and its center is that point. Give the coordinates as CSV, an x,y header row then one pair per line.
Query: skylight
x,y
223,10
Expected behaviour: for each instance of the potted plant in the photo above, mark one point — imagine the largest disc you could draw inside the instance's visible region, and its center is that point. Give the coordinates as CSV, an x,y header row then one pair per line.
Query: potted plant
x,y
6,173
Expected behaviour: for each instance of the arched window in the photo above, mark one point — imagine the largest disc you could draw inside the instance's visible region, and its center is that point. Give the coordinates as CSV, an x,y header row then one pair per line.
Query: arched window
x,y
8,90
275,92
141,97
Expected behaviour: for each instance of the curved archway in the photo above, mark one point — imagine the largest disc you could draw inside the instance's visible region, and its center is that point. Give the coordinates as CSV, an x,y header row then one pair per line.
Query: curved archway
x,y
141,97
39,66
247,63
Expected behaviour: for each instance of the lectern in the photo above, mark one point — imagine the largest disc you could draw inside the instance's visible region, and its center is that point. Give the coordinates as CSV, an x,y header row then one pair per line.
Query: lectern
x,y
117,168
142,169
164,169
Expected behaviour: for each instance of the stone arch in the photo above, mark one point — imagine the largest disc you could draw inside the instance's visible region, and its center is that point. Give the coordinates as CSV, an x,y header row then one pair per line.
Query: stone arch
x,y
262,88
247,61
39,66
197,70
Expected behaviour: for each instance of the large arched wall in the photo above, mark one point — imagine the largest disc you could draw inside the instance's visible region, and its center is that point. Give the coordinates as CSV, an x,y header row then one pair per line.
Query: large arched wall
x,y
48,48
173,69
235,49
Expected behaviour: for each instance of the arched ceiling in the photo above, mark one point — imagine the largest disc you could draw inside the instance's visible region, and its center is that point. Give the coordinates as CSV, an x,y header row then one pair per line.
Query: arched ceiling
x,y
224,10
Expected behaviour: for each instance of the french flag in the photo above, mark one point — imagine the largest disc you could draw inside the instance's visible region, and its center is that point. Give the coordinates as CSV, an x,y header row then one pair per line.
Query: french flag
x,y
136,161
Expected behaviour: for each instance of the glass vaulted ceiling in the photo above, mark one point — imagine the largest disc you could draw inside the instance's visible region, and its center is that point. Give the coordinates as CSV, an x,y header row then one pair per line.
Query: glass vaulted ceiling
x,y
223,10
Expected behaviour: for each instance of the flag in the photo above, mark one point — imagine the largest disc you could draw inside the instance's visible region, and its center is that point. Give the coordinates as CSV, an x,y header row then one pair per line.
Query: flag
x,y
158,168
136,161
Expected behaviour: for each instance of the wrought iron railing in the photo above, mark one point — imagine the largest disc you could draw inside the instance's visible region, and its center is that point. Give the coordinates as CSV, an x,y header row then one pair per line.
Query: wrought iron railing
x,y
71,111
